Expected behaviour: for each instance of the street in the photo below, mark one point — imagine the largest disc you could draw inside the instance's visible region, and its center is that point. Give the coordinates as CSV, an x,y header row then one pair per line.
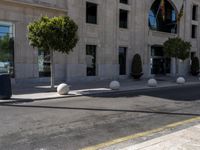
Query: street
x,y
79,122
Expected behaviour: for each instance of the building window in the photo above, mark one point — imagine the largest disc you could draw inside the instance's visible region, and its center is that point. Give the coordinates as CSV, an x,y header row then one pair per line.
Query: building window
x,y
123,18
6,48
194,12
44,63
194,32
91,60
122,60
91,13
124,1
192,55
162,17
160,65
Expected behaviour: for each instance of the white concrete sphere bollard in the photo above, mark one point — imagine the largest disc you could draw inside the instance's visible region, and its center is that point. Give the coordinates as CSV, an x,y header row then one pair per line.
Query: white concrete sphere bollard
x,y
152,83
114,85
180,80
63,89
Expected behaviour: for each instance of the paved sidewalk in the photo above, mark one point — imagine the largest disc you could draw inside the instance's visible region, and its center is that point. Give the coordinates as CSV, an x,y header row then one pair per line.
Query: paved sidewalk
x,y
187,139
35,91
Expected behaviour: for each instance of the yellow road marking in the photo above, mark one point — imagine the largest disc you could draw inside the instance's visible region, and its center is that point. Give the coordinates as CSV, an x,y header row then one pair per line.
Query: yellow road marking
x,y
142,134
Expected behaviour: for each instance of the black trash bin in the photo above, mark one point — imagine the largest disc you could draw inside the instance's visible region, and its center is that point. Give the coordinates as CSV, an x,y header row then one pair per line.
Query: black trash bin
x,y
5,86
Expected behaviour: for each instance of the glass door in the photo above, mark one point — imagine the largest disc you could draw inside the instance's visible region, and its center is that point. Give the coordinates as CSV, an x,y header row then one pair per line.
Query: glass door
x,y
160,65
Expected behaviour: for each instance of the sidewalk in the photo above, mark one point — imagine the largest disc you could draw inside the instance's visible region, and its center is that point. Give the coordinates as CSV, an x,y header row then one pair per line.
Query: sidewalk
x,y
187,139
35,91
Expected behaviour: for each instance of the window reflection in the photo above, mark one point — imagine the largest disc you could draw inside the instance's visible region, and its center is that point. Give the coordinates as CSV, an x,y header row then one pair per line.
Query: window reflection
x,y
6,49
91,60
44,63
162,17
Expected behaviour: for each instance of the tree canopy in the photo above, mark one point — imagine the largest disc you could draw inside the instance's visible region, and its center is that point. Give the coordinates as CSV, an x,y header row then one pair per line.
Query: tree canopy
x,y
177,48
57,34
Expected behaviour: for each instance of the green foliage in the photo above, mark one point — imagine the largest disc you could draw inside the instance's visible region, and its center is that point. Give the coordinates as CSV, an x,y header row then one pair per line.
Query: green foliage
x,y
195,66
57,33
6,48
136,66
177,48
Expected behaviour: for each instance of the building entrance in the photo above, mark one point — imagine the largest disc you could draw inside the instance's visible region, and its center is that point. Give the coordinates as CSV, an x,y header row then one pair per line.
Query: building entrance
x,y
160,65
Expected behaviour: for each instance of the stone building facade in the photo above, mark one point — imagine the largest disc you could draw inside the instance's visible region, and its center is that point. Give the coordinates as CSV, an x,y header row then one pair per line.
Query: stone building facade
x,y
110,33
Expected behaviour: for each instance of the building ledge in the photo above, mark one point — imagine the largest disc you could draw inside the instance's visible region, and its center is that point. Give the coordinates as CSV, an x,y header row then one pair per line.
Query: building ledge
x,y
37,4
161,34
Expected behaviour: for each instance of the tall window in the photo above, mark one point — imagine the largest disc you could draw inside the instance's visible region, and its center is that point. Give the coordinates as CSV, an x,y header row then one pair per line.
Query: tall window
x,y
44,63
162,17
91,13
194,12
91,60
194,32
123,18
124,1
122,60
6,48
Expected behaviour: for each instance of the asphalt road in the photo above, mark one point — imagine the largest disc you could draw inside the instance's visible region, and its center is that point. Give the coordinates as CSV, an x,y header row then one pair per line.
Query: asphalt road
x,y
74,123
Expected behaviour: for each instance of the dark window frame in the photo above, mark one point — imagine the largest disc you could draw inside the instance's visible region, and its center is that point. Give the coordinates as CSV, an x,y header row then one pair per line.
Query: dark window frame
x,y
194,31
194,12
122,53
91,53
123,18
124,1
91,13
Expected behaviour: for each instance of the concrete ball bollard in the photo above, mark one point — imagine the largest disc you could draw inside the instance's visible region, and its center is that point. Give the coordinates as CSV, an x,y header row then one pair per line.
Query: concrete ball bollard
x,y
114,85
152,83
180,80
63,89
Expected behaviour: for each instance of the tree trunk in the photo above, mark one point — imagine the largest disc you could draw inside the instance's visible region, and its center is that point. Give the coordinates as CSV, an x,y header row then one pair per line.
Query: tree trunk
x,y
179,36
176,64
52,70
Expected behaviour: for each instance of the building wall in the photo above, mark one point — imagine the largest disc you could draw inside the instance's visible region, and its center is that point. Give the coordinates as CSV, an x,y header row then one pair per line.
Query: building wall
x,y
138,37
21,14
106,35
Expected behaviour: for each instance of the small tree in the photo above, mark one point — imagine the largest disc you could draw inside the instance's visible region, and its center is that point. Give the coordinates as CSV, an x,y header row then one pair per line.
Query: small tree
x,y
177,48
195,66
53,34
136,67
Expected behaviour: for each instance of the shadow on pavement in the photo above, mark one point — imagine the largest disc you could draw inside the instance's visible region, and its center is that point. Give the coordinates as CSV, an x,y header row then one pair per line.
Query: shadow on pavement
x,y
178,93
100,109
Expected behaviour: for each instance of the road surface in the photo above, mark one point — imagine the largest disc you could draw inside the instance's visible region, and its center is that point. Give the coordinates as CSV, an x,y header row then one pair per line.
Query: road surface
x,y
74,123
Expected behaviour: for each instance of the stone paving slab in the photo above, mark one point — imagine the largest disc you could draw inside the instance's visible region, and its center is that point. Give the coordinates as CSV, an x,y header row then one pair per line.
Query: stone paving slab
x,y
187,139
